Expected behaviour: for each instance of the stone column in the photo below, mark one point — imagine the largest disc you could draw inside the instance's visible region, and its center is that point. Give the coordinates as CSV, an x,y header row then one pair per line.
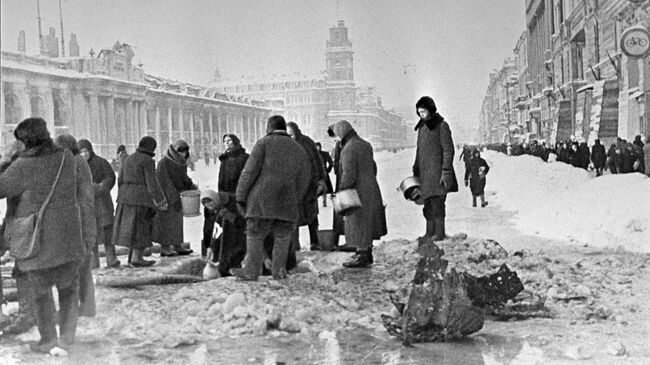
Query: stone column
x,y
48,115
93,118
210,121
169,127
130,118
142,130
202,131
181,125
110,123
192,135
157,124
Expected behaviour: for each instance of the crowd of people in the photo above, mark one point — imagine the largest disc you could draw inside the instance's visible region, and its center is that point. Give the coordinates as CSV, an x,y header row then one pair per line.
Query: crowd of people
x,y
621,157
60,209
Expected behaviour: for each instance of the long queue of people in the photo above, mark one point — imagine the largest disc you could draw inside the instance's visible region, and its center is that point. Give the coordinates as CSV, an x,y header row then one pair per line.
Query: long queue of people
x,y
622,157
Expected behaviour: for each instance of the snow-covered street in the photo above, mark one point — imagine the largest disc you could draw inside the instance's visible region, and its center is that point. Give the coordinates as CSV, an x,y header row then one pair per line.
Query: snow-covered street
x,y
328,315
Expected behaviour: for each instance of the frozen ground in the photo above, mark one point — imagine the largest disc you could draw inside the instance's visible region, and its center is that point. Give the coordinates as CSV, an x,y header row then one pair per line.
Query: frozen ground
x,y
328,315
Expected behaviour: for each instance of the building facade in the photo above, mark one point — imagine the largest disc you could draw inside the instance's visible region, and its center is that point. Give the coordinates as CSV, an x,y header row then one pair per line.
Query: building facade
x,y
581,83
110,101
317,101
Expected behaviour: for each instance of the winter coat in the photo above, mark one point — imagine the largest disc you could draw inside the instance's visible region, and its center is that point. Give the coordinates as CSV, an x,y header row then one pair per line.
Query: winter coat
x,y
598,156
103,181
275,178
310,207
476,181
434,155
232,163
327,165
172,176
65,237
359,172
583,151
137,182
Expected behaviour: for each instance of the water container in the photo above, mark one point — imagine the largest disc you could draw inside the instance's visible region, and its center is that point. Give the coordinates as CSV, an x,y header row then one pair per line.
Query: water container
x,y
191,203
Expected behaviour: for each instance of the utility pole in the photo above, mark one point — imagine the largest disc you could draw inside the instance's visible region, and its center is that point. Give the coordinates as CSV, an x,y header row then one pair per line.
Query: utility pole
x,y
62,37
40,32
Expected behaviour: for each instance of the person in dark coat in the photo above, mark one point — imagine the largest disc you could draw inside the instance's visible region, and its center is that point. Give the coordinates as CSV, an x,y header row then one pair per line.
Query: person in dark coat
x,y
475,178
120,157
337,219
574,155
638,142
103,178
172,176
317,187
466,156
87,305
434,165
328,164
612,159
598,157
271,191
583,151
139,195
232,162
359,172
65,238
564,153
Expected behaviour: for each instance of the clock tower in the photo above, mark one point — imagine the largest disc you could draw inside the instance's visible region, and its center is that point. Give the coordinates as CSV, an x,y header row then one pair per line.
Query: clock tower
x,y
339,66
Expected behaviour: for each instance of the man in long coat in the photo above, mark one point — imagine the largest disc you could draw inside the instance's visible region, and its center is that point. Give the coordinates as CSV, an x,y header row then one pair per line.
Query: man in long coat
x,y
270,193
434,161
316,187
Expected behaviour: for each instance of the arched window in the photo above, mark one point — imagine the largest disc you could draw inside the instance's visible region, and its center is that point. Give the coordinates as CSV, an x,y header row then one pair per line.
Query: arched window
x,y
38,106
13,110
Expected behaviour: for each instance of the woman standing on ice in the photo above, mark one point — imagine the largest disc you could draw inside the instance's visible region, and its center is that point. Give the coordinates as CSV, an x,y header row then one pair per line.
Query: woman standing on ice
x,y
434,165
172,176
359,172
475,177
139,195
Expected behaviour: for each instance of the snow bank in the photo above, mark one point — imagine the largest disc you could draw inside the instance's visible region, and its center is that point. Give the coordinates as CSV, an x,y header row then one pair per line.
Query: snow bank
x,y
558,201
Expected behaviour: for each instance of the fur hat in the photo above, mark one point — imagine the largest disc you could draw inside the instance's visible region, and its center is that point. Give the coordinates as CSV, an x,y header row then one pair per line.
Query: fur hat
x,y
32,132
147,144
275,123
67,142
426,102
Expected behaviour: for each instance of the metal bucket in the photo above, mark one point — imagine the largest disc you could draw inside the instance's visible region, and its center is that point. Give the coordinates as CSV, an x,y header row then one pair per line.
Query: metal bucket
x,y
328,239
191,203
408,185
346,201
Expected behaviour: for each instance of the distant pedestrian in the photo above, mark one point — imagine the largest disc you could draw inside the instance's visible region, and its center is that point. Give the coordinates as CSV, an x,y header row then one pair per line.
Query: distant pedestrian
x,y
270,194
598,157
612,159
139,196
638,142
475,178
434,165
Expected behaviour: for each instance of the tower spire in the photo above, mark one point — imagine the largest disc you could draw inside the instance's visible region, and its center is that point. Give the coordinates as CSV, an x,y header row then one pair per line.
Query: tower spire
x,y
40,31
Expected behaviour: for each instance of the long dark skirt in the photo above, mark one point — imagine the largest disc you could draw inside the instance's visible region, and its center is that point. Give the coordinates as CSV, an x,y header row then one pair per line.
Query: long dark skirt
x,y
168,227
477,186
133,226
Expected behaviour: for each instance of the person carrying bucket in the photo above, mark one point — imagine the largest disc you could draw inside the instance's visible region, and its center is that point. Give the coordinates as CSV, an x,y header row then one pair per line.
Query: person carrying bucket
x,y
172,176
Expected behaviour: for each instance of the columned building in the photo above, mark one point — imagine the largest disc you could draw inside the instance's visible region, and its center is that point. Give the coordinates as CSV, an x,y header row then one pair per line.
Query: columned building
x,y
110,101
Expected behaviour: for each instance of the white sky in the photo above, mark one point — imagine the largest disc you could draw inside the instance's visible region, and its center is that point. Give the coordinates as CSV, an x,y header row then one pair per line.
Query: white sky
x,y
454,44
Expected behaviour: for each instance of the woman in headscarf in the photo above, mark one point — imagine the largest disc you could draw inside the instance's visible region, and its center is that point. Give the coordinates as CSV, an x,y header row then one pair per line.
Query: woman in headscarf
x,y
139,195
172,176
86,285
45,173
359,172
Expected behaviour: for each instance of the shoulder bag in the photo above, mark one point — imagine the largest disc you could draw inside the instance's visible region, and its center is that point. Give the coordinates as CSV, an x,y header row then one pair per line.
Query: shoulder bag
x,y
24,233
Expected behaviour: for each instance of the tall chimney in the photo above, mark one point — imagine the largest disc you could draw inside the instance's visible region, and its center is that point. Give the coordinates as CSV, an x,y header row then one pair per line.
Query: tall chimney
x,y
21,42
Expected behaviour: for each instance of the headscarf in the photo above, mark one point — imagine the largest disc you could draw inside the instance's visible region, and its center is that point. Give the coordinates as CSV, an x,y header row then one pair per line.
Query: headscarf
x,y
342,128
